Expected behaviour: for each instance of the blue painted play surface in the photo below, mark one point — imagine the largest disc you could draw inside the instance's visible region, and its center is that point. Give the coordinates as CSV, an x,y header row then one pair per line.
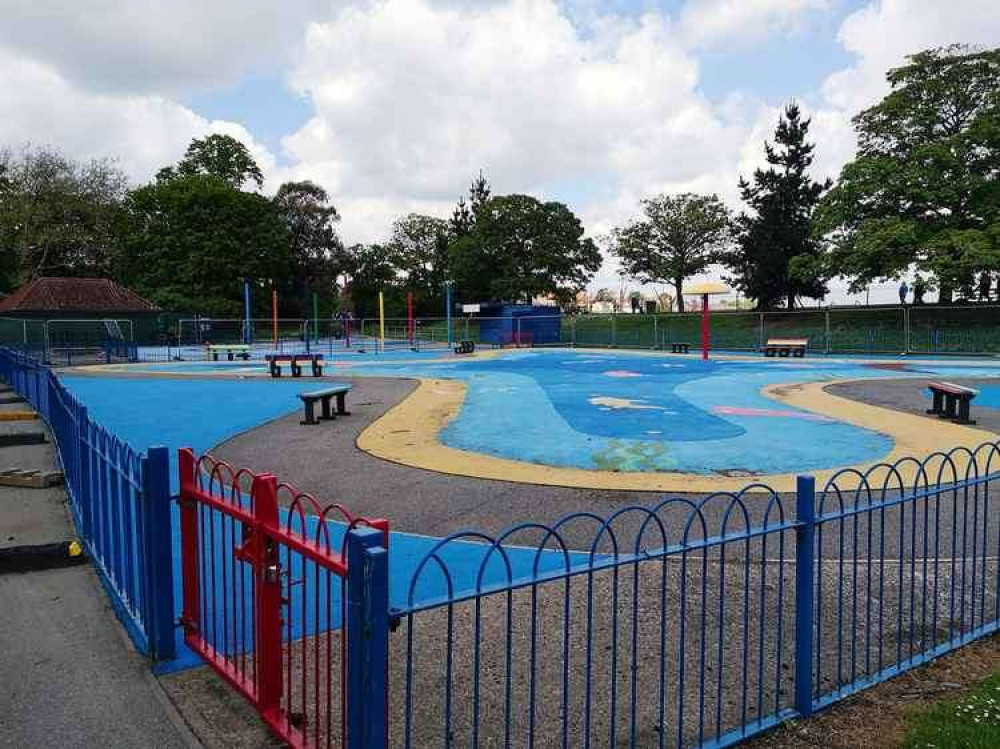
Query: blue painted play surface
x,y
632,412
200,414
616,411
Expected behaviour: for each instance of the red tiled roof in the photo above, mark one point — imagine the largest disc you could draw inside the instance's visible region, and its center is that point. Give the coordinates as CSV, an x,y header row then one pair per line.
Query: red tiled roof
x,y
74,295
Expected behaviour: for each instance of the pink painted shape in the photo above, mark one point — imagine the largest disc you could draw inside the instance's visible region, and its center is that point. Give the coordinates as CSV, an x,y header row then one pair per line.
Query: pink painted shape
x,y
737,411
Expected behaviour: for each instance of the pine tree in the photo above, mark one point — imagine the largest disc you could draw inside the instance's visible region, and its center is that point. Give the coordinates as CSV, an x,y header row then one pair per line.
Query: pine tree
x,y
777,258
463,218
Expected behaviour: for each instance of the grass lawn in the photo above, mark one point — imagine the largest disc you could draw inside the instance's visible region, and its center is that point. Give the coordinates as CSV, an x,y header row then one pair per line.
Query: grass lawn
x,y
970,723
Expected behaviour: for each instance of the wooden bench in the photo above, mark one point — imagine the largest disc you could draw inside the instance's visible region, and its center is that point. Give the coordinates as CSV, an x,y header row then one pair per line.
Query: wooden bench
x,y
680,348
324,396
951,401
241,350
465,347
274,362
786,347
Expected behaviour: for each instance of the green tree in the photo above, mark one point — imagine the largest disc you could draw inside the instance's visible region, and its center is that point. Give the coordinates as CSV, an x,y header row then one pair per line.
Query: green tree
x,y
57,216
519,248
221,156
923,191
679,237
316,252
463,218
189,241
777,257
419,249
372,270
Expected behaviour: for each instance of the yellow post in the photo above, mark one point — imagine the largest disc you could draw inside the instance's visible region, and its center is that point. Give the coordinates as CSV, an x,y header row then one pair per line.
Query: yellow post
x,y
274,315
381,321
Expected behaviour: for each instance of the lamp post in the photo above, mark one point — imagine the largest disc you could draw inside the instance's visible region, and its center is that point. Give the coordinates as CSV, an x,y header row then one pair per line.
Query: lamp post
x,y
705,290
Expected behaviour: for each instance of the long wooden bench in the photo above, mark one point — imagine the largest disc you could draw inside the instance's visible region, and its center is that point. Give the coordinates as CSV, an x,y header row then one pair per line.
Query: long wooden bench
x,y
786,347
951,401
323,397
295,361
241,350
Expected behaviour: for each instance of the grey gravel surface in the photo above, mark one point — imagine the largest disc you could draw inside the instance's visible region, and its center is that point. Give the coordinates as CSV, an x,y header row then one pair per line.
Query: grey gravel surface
x,y
909,396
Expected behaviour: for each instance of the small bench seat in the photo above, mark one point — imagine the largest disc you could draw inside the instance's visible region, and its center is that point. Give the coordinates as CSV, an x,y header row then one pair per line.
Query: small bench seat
x,y
786,347
951,401
324,396
241,350
680,348
465,347
274,362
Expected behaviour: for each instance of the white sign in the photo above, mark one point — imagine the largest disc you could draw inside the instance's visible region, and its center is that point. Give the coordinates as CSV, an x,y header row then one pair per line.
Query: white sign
x,y
470,309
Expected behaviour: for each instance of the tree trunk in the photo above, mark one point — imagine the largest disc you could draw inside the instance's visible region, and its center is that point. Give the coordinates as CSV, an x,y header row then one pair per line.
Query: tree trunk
x,y
679,287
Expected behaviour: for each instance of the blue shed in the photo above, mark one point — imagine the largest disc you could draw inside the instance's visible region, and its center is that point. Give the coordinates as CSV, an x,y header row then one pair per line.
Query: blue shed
x,y
521,324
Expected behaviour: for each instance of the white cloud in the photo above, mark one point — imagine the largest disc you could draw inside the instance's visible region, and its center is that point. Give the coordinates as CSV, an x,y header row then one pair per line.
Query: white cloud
x,y
144,132
155,47
711,22
883,32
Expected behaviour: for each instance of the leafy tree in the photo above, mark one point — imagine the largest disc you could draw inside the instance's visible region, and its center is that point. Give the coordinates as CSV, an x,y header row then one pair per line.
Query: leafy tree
x,y
57,216
221,156
419,250
317,255
923,190
190,240
372,270
463,218
777,257
679,237
520,248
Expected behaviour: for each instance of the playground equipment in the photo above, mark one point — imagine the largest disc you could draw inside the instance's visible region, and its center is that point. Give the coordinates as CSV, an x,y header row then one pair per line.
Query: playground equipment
x,y
705,290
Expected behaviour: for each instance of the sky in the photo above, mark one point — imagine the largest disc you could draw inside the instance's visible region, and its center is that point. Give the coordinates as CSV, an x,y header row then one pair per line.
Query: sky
x,y
394,105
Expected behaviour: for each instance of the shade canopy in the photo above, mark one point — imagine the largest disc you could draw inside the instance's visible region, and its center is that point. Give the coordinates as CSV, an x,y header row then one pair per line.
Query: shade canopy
x,y
709,287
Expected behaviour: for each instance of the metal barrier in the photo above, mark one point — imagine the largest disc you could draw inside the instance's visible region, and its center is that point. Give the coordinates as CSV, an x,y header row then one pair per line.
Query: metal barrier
x,y
697,623
283,609
120,502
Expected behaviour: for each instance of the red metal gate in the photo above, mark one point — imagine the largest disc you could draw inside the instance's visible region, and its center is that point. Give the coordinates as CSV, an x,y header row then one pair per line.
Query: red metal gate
x,y
265,595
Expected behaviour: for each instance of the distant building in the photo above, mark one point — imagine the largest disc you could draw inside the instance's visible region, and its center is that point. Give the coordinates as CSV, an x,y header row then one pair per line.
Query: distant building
x,y
86,298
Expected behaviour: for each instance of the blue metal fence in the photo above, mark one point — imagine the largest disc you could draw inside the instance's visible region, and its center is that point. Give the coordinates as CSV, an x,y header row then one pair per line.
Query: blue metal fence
x,y
120,502
697,623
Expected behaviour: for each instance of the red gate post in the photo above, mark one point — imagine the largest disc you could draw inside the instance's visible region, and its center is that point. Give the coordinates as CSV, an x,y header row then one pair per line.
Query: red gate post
x,y
191,606
268,574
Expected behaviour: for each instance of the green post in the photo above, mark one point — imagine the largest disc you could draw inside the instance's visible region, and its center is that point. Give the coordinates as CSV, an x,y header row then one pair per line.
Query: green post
x,y
315,316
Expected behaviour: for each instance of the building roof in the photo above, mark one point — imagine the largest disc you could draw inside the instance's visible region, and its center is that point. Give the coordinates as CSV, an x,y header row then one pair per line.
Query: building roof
x,y
74,295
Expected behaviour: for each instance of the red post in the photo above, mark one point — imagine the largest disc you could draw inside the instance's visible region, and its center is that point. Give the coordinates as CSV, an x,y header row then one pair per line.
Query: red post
x,y
704,327
191,608
268,574
409,315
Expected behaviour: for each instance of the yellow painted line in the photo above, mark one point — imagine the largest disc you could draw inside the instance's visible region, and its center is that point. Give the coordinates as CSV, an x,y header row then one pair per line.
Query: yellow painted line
x,y
18,415
409,434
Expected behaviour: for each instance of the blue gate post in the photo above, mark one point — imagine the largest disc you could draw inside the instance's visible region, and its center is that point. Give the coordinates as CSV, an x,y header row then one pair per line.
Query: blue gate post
x,y
82,460
367,638
805,516
157,548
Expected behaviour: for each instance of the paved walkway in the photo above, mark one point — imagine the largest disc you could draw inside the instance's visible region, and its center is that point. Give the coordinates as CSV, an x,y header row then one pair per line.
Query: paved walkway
x,y
70,676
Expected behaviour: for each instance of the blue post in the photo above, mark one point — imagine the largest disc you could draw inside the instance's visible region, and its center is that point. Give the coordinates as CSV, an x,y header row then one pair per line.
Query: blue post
x,y
447,309
82,459
367,638
157,548
247,335
805,515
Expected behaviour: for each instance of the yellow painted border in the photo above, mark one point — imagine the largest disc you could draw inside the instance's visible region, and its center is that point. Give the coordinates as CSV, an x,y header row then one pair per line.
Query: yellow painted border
x,y
18,415
408,434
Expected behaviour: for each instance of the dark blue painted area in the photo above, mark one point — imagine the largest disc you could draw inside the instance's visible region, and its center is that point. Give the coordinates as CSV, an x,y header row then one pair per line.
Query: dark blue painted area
x,y
573,382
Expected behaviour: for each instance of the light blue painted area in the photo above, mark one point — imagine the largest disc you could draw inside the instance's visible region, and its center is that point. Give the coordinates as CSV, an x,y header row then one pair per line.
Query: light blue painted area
x,y
989,396
629,412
